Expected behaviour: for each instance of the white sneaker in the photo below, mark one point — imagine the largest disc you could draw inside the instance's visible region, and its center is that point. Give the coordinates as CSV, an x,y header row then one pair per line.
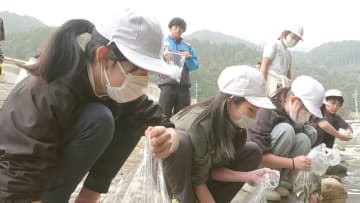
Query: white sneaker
x,y
284,192
273,195
248,188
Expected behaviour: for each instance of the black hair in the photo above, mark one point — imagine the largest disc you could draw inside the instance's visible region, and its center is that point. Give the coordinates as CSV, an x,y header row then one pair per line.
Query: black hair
x,y
340,99
216,110
96,40
177,21
63,56
283,34
280,95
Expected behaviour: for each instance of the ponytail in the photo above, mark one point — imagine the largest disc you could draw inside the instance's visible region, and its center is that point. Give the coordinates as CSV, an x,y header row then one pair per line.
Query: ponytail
x,y
280,95
62,56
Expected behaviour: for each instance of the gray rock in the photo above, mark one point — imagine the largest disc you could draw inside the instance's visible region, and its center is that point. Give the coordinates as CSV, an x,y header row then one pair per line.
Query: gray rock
x,y
341,168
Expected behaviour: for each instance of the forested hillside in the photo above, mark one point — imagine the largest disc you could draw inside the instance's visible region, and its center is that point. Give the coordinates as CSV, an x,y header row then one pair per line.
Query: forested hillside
x,y
24,35
335,54
334,64
17,23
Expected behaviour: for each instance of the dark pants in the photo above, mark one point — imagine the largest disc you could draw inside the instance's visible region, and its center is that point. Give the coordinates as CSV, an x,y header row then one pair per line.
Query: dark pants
x,y
173,98
246,159
93,145
177,170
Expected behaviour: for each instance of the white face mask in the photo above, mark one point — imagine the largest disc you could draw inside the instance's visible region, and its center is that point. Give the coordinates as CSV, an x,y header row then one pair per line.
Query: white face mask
x,y
244,122
132,88
289,41
301,117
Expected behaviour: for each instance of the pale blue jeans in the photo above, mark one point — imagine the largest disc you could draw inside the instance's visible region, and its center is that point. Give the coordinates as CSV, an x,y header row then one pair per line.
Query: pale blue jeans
x,y
286,143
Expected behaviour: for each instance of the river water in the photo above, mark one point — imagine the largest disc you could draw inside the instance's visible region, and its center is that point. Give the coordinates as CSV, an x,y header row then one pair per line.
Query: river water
x,y
352,157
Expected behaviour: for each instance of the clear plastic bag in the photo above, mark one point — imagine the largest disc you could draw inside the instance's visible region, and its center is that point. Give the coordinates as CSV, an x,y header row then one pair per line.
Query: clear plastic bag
x,y
306,181
319,159
176,59
268,182
333,156
147,185
345,132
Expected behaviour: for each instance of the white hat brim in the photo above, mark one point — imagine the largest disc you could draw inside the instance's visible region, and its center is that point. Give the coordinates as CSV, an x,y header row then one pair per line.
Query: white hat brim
x,y
313,109
299,36
148,63
261,102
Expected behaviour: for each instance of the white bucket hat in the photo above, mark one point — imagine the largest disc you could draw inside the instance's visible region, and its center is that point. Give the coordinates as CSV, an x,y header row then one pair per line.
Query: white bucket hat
x,y
310,92
139,38
245,81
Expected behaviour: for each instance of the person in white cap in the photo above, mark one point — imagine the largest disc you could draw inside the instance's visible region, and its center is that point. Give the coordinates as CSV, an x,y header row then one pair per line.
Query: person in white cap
x,y
277,60
280,132
222,159
83,110
331,126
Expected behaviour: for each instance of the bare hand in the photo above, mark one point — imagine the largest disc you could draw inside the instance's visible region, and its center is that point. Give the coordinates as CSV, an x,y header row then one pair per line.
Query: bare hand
x,y
163,141
344,137
314,198
186,54
166,55
302,163
254,177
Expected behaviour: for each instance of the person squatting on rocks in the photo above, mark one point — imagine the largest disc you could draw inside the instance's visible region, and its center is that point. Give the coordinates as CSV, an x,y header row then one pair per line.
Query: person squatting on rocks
x,y
280,132
222,160
83,110
331,126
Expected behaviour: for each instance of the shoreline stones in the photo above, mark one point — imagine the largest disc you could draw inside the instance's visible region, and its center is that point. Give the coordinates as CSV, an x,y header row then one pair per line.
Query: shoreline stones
x,y
332,189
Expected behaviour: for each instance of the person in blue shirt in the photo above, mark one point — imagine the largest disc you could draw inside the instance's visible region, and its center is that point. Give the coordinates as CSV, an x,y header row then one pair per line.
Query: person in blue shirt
x,y
175,95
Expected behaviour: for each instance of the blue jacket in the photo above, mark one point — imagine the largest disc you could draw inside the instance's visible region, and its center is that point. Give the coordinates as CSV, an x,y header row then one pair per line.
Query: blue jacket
x,y
191,63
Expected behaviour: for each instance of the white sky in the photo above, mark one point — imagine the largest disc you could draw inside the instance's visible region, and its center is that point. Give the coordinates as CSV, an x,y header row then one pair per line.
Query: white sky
x,y
255,20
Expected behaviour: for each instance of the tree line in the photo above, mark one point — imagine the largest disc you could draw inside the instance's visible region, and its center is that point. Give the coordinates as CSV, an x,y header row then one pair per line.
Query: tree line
x,y
334,64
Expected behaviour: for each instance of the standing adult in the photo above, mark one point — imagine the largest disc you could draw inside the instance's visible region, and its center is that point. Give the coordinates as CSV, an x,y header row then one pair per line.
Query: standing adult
x,y
175,95
83,111
2,38
276,62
